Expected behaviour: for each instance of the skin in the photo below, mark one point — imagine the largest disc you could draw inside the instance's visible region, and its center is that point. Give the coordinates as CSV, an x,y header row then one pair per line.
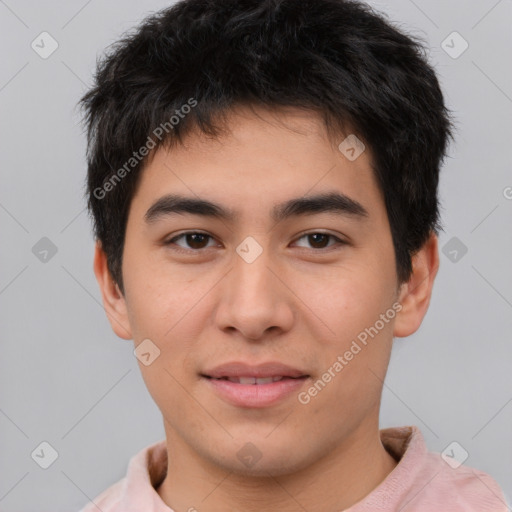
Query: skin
x,y
298,303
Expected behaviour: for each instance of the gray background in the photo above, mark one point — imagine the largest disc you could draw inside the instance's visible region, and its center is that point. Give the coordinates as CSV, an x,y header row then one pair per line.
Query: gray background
x,y
65,378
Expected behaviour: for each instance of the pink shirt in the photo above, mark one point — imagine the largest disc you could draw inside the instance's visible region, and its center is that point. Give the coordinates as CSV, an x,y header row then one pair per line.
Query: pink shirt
x,y
421,482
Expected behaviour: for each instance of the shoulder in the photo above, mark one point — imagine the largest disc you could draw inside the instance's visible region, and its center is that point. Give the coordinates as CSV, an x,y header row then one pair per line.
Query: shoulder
x,y
424,481
108,500
145,471
460,487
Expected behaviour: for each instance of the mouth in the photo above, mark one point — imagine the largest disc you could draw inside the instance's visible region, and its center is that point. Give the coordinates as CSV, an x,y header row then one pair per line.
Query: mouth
x,y
260,373
248,386
255,381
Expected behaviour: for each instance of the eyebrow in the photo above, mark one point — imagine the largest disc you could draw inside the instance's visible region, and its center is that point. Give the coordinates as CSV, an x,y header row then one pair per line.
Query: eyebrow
x,y
334,202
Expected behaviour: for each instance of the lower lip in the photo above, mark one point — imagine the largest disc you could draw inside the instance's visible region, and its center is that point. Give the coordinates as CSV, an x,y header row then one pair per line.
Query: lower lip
x,y
255,395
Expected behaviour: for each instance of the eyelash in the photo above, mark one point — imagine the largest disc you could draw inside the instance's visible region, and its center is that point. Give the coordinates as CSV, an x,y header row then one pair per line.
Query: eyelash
x,y
189,251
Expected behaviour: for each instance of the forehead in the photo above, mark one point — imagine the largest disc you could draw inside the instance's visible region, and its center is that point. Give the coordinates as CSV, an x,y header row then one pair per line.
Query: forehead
x,y
264,157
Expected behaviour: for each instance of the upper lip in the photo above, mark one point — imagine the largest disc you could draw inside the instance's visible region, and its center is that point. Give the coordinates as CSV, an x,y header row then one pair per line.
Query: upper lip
x,y
239,369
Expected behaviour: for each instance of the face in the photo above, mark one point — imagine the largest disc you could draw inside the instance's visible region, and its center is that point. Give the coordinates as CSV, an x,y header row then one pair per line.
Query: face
x,y
302,286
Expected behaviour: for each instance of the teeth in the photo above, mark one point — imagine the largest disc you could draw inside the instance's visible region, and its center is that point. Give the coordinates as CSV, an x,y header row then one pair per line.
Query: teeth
x,y
247,380
266,380
254,380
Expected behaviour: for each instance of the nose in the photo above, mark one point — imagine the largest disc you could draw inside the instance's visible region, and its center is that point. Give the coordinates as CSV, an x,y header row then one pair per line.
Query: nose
x,y
254,298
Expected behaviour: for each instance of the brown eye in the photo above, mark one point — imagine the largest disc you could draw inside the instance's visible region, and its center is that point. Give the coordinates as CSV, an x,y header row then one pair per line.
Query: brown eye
x,y
194,241
319,240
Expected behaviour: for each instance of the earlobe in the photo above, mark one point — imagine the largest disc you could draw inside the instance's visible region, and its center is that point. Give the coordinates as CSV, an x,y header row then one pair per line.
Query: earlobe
x,y
113,300
415,295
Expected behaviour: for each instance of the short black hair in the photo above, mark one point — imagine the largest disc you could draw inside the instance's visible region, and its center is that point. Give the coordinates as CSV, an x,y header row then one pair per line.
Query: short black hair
x,y
337,58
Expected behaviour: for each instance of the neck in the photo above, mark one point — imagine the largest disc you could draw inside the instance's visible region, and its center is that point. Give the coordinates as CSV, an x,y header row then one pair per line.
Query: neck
x,y
335,481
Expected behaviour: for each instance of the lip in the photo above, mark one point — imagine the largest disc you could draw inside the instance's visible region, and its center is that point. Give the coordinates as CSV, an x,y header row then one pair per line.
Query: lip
x,y
255,395
239,369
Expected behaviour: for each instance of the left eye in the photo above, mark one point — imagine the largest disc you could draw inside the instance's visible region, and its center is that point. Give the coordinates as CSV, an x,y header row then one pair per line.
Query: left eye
x,y
320,238
196,239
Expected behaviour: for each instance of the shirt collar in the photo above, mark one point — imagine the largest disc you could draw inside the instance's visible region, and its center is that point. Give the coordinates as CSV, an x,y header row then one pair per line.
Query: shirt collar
x,y
148,468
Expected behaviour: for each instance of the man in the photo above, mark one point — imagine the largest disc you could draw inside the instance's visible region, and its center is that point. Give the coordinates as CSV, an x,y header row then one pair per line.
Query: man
x,y
263,183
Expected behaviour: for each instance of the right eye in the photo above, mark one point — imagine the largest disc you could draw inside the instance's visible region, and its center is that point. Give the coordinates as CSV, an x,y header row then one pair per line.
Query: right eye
x,y
195,240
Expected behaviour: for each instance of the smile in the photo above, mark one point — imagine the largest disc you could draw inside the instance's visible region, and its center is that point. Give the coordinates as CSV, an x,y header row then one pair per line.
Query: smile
x,y
253,380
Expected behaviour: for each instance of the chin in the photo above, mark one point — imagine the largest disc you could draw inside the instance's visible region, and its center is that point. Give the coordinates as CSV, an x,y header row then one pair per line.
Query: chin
x,y
262,459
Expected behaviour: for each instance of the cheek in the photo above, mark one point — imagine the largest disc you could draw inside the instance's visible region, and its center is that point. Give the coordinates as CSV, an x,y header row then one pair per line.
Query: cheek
x,y
351,307
171,312
156,301
347,302
165,314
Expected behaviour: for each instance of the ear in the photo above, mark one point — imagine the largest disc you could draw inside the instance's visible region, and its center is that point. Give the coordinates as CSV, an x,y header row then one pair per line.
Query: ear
x,y
113,300
414,296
